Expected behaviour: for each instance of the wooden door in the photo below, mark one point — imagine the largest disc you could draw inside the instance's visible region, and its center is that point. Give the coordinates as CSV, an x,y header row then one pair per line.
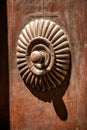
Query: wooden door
x,y
64,107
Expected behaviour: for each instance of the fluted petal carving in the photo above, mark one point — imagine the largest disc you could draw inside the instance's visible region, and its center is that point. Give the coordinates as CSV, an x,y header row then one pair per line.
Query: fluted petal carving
x,y
51,41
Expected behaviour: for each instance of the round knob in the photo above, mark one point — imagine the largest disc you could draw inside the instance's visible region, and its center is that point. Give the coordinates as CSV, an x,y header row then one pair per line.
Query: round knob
x,y
37,56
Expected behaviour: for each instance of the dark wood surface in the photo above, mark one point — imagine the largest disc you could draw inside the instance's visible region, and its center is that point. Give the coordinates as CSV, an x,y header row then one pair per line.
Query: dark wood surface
x,y
28,112
4,84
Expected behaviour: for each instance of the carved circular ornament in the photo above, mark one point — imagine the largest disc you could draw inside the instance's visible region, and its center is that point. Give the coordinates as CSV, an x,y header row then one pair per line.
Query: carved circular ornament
x,y
43,55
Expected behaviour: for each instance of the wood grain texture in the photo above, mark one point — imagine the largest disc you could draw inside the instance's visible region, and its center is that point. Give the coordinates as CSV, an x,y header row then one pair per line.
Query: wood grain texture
x,y
26,110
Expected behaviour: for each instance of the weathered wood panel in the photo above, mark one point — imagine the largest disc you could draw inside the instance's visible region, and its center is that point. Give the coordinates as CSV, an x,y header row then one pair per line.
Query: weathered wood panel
x,y
26,110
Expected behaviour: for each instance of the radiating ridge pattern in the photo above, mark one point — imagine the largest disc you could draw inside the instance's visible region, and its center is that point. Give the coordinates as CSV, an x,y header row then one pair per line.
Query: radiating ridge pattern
x,y
43,35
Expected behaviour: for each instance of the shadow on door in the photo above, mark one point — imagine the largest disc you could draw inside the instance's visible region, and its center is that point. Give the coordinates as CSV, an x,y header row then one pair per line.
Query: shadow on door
x,y
4,83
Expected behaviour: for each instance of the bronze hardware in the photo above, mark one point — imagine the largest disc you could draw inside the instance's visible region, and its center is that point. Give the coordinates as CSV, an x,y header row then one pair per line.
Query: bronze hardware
x,y
43,50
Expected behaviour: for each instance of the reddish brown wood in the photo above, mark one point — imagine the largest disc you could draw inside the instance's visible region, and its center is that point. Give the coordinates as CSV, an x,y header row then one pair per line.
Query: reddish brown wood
x,y
26,110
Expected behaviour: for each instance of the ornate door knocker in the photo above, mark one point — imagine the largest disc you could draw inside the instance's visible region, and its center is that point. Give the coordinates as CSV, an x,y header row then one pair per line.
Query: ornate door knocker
x,y
43,55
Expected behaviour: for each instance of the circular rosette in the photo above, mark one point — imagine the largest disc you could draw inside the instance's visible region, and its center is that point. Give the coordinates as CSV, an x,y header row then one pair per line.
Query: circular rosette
x,y
43,55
